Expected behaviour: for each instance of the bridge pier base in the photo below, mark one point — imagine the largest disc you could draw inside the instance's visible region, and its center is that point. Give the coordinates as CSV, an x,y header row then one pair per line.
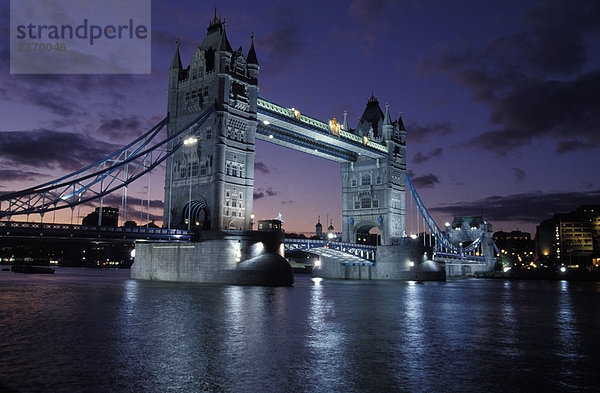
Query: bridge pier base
x,y
233,258
407,261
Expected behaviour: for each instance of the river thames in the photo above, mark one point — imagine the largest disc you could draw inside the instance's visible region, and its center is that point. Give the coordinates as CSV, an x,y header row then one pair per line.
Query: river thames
x,y
83,330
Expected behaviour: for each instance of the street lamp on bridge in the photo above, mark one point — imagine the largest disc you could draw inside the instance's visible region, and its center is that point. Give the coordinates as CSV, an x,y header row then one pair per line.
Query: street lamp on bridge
x,y
190,142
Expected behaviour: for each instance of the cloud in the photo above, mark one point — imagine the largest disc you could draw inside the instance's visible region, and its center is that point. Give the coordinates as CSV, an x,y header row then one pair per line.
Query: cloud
x,y
422,133
426,181
285,42
51,149
16,174
368,11
114,200
120,127
261,167
519,175
533,207
535,81
261,193
368,17
586,184
57,104
420,157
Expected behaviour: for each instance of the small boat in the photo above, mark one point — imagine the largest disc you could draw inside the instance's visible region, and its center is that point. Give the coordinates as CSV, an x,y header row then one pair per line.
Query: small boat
x,y
28,269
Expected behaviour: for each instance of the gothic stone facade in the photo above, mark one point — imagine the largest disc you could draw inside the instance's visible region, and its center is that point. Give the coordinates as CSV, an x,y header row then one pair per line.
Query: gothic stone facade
x,y
373,189
219,168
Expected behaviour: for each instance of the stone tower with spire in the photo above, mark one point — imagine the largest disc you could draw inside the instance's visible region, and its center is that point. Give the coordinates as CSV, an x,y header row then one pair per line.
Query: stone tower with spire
x,y
212,181
373,189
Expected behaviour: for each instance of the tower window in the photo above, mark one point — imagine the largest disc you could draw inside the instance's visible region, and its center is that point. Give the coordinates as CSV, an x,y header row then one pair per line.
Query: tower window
x,y
353,183
378,179
365,203
208,134
375,203
357,204
365,179
209,56
194,168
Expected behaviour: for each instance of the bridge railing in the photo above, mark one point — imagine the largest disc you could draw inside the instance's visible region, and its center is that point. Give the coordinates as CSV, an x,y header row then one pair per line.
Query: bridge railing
x,y
28,226
318,125
364,251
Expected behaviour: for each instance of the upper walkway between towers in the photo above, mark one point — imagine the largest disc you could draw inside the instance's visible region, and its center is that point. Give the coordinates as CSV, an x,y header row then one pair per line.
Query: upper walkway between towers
x,y
289,128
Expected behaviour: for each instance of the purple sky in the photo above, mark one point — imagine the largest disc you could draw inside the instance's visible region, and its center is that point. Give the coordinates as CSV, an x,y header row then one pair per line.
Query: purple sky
x,y
501,102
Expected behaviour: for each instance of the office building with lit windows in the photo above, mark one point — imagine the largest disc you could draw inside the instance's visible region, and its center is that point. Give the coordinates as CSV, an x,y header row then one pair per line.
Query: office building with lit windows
x,y
570,239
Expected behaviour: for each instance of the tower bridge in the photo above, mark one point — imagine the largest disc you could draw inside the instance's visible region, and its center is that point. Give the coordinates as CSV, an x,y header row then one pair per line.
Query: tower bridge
x,y
214,116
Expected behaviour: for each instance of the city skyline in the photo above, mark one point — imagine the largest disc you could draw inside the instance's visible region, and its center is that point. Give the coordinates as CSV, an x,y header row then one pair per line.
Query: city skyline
x,y
499,103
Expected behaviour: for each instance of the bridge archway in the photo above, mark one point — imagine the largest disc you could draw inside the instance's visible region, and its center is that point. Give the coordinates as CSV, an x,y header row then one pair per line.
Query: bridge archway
x,y
363,233
197,211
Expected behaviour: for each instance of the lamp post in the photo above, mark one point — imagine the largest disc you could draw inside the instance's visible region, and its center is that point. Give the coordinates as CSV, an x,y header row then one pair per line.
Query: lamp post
x,y
190,142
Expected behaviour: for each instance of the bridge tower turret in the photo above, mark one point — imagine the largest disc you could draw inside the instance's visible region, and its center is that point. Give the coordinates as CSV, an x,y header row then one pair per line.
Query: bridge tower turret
x,y
373,189
217,171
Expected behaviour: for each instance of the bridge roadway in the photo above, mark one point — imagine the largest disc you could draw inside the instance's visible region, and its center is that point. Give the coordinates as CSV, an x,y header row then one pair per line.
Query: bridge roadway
x,y
289,128
66,231
16,229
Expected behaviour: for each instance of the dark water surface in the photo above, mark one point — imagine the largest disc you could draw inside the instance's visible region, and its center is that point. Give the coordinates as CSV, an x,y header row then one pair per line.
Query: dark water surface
x,y
86,330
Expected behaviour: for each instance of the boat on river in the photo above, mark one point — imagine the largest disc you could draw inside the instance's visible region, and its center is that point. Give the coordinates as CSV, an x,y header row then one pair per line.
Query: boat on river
x,y
29,269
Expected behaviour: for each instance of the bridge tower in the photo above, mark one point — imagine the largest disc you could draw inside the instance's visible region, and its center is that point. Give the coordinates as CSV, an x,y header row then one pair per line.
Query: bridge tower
x,y
218,170
373,189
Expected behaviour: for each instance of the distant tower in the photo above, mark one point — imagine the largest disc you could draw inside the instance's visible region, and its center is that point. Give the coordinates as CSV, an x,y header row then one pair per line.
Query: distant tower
x,y
330,229
220,168
319,228
373,189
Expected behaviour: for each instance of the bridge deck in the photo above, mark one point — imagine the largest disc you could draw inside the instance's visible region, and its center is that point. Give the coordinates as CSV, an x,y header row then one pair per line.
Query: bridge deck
x,y
281,126
23,229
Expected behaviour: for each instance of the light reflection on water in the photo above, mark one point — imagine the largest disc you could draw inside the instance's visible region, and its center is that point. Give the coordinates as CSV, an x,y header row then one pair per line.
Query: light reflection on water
x,y
99,331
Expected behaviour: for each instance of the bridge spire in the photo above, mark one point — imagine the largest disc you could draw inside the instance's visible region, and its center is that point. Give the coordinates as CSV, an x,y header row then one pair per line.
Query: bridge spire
x,y
387,121
401,123
176,62
251,58
345,125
